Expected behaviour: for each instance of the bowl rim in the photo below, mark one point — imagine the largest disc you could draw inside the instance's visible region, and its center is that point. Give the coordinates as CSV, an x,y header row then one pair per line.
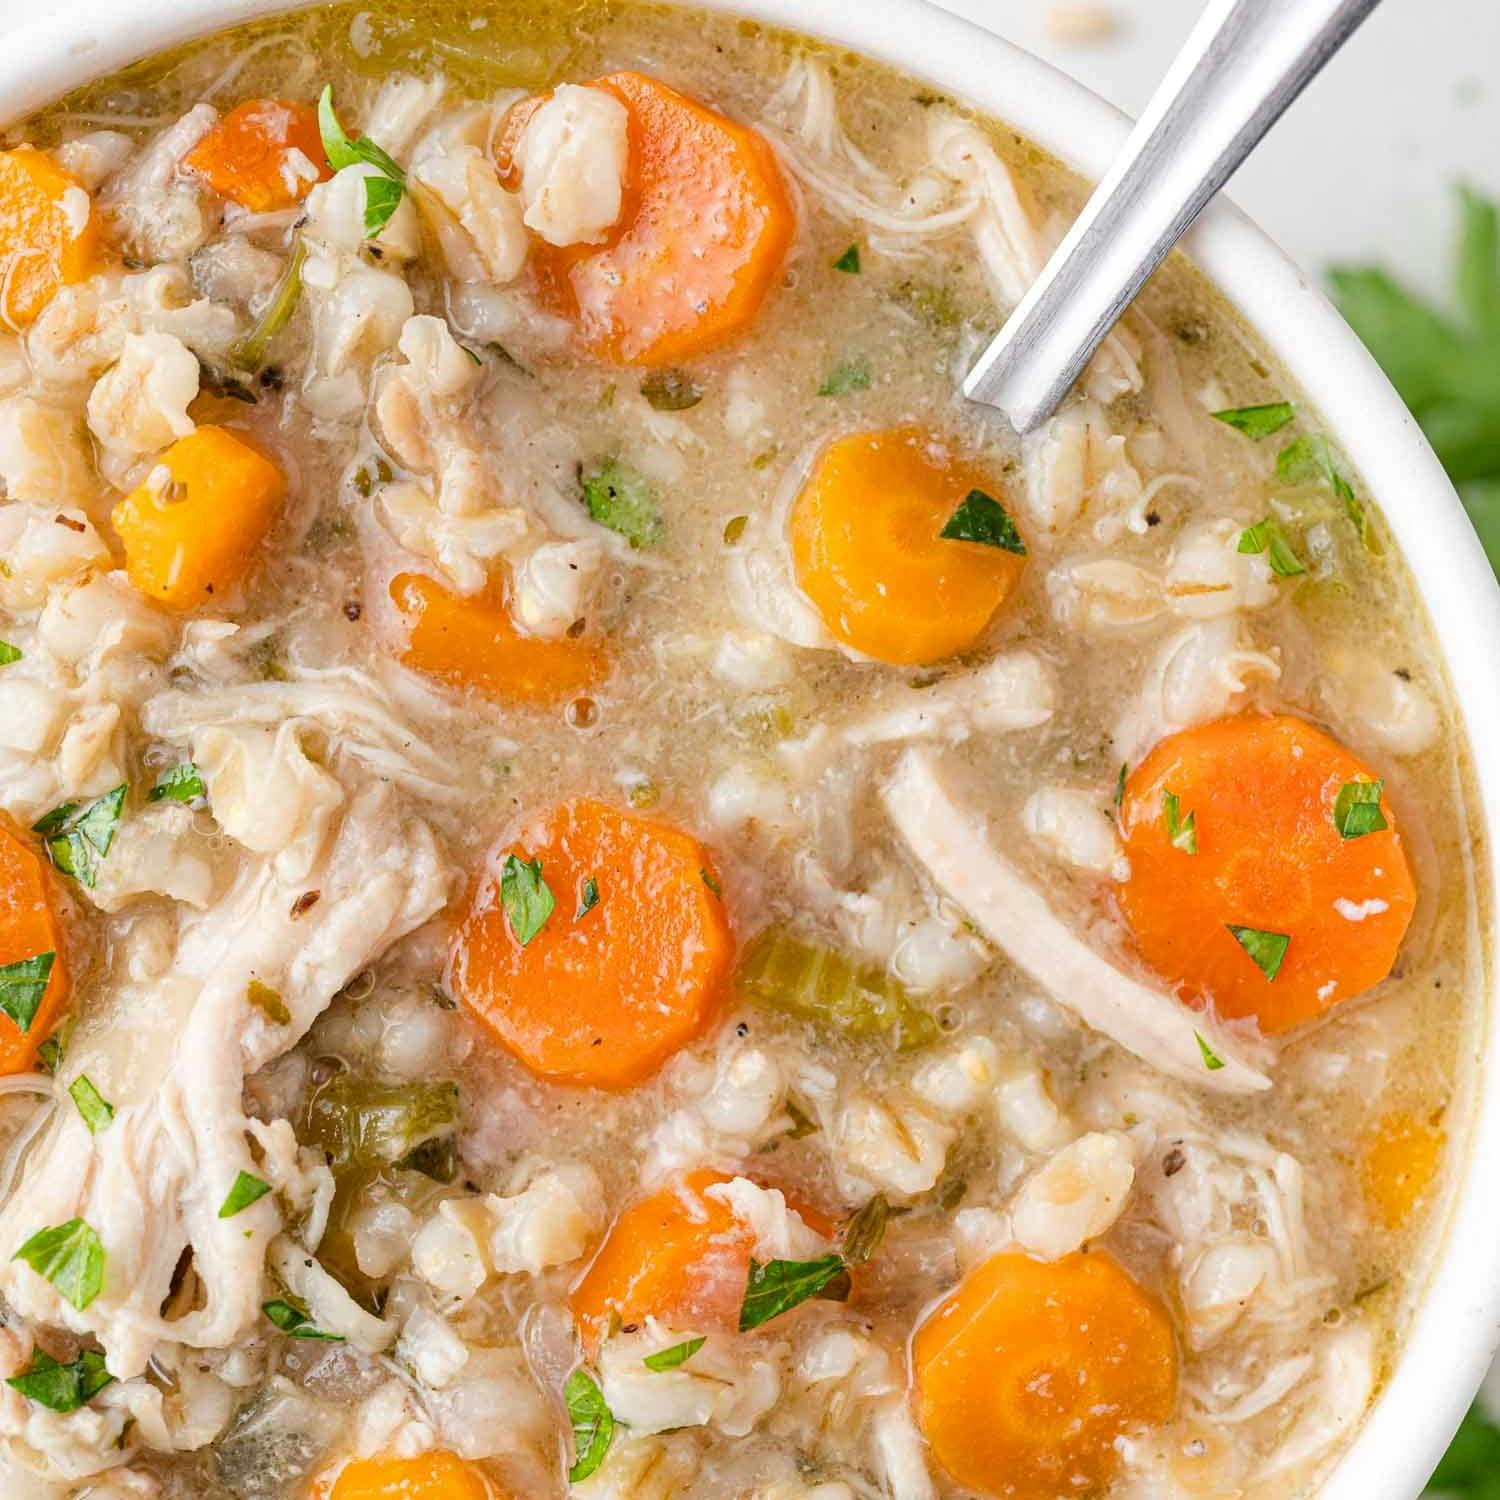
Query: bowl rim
x,y
1455,1329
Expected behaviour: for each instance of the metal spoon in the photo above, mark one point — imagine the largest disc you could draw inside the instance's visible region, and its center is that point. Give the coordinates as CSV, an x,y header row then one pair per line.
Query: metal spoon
x,y
1243,64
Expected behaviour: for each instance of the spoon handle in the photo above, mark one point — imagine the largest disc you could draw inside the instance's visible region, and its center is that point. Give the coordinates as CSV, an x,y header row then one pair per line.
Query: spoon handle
x,y
1243,64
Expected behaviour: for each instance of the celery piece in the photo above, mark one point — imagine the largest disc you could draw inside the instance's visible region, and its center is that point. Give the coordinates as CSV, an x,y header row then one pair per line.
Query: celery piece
x,y
363,1123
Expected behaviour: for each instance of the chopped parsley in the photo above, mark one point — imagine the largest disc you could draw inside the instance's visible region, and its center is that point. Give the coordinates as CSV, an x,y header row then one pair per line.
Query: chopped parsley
x,y
848,262
678,1354
865,1230
1211,1059
712,882
671,390
1120,785
1310,460
383,192
182,783
71,1257
250,353
588,897
1267,949
292,1319
1257,422
245,1191
1267,537
62,1388
1356,809
22,985
96,1110
981,518
624,500
49,1054
78,837
526,897
777,1286
592,1421
1182,832
846,378
8,653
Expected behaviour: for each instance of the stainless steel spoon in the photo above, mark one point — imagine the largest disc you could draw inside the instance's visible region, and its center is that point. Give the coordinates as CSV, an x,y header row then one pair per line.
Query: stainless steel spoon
x,y
1243,64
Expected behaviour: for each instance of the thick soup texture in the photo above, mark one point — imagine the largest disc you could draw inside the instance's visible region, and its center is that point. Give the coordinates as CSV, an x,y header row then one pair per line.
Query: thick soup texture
x,y
604,889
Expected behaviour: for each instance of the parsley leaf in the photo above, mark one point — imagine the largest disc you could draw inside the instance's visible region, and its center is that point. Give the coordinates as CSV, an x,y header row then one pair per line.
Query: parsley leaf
x,y
71,1257
292,1319
981,518
180,784
588,897
777,1286
1211,1059
1120,785
96,1110
250,353
245,1191
78,838
1267,536
526,897
1182,832
1267,949
678,1354
1257,422
62,1388
712,882
846,378
1310,460
865,1230
671,390
8,653
848,262
623,499
383,192
1356,809
593,1424
22,985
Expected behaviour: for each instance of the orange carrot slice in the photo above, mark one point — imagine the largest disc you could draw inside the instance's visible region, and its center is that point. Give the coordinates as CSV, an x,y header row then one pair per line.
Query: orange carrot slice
x,y
868,548
469,641
629,966
1030,1372
1398,1162
1278,914
704,228
265,154
29,929
191,529
49,233
432,1476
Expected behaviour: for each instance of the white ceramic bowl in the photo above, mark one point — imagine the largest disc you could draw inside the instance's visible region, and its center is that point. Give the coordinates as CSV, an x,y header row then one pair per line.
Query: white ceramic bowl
x,y
1457,1328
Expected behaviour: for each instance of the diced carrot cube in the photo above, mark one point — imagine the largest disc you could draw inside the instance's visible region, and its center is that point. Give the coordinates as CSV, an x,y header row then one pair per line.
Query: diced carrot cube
x,y
49,233
265,155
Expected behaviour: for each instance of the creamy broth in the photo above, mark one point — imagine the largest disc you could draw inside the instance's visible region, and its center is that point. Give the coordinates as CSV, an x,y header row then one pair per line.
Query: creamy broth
x,y
344,1099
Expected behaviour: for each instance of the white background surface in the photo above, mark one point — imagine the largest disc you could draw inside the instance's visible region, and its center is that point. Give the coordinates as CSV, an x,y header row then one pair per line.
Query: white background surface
x,y
1362,168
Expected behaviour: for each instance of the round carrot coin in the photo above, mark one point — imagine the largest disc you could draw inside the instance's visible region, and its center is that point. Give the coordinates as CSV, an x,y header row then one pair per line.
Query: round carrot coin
x,y
29,933
869,550
595,945
1029,1373
1267,874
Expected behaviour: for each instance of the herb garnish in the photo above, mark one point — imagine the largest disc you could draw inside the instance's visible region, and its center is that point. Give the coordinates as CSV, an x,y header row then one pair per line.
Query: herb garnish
x,y
71,1257
1310,460
712,882
250,353
623,499
78,837
777,1286
526,897
62,1388
845,378
1267,537
1183,832
8,653
981,518
678,1354
1257,422
864,1232
1211,1059
588,897
22,985
1267,949
182,783
292,1319
1120,785
593,1424
671,390
96,1110
245,1191
382,193
1356,809
848,262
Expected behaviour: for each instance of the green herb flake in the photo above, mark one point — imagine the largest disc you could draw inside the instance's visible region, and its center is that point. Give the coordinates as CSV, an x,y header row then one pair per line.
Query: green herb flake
x,y
292,1319
848,262
1257,422
865,1230
71,1257
1182,832
49,1054
250,353
1120,785
78,838
382,192
182,783
1211,1059
526,897
846,378
8,653
1356,809
671,390
588,897
96,1110
62,1388
734,529
712,882
981,518
245,1191
267,1001
624,500
777,1286
1267,537
22,985
678,1354
593,1424
1310,460
1267,949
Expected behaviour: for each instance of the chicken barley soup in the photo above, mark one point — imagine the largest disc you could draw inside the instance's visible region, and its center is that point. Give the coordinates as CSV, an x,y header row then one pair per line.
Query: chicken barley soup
x,y
608,891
